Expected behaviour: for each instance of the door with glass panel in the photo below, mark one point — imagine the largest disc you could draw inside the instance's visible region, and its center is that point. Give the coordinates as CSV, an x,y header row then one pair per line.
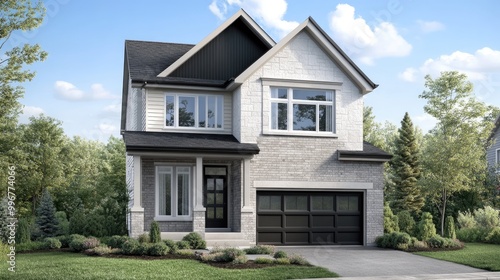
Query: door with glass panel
x,y
215,196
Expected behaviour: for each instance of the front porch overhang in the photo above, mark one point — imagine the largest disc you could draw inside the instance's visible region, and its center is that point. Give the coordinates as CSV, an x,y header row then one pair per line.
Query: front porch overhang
x,y
141,142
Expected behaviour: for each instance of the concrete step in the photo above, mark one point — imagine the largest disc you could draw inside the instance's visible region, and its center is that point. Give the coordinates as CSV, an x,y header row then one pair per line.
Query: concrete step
x,y
225,239
223,235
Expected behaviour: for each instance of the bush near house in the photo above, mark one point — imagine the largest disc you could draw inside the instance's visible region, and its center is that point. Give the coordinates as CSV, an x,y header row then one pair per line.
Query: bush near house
x,y
195,240
260,250
154,232
478,225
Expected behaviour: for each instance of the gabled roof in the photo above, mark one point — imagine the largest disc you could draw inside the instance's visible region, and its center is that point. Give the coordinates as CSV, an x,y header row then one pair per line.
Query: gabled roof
x,y
141,141
237,19
328,45
495,129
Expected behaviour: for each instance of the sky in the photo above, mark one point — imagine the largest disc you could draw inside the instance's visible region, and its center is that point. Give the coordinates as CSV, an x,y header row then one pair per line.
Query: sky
x,y
395,42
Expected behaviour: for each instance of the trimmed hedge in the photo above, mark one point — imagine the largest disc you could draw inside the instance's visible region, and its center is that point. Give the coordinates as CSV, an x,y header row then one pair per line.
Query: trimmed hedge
x,y
195,240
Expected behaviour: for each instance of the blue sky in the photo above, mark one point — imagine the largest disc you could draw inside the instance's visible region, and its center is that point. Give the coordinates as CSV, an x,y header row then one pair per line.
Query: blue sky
x,y
395,42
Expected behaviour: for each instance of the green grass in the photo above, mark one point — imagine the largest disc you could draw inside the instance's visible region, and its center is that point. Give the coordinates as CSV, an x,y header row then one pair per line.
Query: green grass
x,y
63,265
484,256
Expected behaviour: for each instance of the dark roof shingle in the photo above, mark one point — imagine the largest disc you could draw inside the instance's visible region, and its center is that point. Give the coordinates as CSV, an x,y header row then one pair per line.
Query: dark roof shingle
x,y
369,153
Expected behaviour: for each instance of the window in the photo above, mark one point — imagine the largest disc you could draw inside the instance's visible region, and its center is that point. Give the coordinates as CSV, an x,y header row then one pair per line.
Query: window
x,y
194,111
310,110
347,203
296,202
173,184
497,158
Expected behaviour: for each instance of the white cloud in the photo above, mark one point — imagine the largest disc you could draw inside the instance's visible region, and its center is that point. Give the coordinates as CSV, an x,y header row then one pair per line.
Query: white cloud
x,y
107,128
430,26
425,121
270,13
30,111
113,108
408,75
365,42
68,91
477,65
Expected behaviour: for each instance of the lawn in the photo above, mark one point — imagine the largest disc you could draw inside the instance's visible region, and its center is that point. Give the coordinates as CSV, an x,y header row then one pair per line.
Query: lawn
x,y
63,265
484,256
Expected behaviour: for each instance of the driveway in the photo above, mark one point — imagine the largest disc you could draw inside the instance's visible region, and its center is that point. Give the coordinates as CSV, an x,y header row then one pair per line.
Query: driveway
x,y
357,261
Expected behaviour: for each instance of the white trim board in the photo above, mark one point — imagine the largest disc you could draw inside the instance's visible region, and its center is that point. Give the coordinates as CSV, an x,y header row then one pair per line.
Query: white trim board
x,y
312,185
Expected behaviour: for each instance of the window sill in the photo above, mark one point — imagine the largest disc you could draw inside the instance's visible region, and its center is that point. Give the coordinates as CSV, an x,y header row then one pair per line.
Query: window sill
x,y
303,134
172,219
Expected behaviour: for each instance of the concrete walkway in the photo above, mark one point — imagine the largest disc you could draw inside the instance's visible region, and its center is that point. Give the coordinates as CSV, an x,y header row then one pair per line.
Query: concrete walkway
x,y
357,261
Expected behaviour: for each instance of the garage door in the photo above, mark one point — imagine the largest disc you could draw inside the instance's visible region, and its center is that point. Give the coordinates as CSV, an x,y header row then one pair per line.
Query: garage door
x,y
299,218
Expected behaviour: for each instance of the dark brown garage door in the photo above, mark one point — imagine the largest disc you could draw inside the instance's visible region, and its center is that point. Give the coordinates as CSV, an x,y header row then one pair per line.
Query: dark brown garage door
x,y
298,218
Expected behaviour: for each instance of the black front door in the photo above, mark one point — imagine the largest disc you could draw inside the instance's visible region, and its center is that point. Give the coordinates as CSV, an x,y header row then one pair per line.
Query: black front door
x,y
215,196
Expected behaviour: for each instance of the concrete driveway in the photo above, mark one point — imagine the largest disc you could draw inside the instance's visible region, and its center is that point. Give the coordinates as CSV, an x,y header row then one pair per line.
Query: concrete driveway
x,y
357,261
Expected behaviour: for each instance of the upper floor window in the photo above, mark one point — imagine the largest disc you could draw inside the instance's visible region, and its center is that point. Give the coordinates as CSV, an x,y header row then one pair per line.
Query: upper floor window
x,y
194,111
295,109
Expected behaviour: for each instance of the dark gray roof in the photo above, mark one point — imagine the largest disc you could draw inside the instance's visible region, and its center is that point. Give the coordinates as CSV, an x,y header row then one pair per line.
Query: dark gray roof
x,y
369,153
186,142
148,59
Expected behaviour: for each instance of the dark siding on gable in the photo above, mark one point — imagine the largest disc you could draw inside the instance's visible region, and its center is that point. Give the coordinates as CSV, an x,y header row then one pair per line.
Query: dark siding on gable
x,y
226,56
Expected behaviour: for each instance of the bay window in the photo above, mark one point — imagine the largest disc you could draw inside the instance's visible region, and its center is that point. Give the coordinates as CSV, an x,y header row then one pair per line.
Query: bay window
x,y
302,110
194,111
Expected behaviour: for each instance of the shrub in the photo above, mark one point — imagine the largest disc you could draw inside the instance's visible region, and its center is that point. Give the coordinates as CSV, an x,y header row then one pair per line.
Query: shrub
x,y
100,251
263,260
184,252
94,224
222,255
212,257
260,250
487,217
143,249
143,238
76,242
91,243
466,220
298,260
390,220
159,249
426,228
284,261
449,228
154,232
230,254
64,239
420,245
23,233
77,222
4,250
240,259
494,236
52,243
280,255
182,245
171,244
406,222
394,240
30,246
195,240
116,241
436,241
63,222
472,234
130,247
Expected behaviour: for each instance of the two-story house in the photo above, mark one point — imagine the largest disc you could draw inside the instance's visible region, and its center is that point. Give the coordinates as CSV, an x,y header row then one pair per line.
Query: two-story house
x,y
493,151
246,140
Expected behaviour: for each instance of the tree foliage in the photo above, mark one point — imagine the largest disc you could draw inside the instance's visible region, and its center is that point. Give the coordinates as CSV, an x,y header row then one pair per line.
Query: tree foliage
x,y
46,221
406,166
454,154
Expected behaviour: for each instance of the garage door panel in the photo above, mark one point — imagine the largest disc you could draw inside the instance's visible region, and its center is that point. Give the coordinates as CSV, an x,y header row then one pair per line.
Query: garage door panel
x,y
270,221
348,237
270,237
297,237
323,238
348,221
294,221
323,221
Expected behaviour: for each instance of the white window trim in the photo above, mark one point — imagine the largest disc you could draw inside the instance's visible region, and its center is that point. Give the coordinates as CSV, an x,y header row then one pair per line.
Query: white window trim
x,y
196,121
290,102
174,216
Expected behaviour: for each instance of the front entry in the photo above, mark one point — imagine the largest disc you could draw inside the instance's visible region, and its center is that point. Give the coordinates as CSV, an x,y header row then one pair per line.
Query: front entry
x,y
215,196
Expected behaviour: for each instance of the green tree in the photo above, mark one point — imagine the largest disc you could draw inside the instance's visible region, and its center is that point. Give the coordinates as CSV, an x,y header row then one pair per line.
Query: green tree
x,y
391,222
46,220
368,122
406,166
426,228
449,231
454,154
15,16
43,139
3,220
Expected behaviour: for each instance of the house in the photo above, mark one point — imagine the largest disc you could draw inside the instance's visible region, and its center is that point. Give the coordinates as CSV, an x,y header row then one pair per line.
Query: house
x,y
245,140
493,150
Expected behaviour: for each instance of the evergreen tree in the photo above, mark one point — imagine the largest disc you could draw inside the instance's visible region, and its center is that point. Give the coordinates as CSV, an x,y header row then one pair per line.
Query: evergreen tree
x,y
46,220
3,220
390,220
406,167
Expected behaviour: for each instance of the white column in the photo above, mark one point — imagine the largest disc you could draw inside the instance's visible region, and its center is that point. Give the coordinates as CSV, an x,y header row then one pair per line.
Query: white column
x,y
137,185
245,192
198,188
